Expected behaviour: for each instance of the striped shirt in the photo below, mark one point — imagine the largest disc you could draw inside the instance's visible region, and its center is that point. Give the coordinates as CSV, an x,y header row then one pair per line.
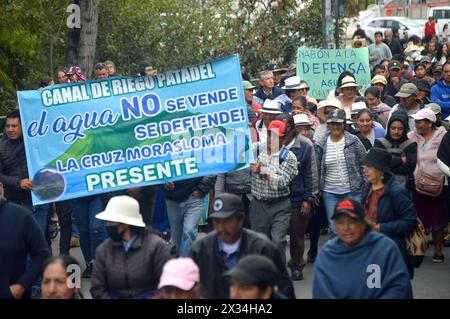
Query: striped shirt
x,y
336,177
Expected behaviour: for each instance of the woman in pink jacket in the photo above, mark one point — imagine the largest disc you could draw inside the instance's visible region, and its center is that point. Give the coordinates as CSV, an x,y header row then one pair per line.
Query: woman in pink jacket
x,y
432,211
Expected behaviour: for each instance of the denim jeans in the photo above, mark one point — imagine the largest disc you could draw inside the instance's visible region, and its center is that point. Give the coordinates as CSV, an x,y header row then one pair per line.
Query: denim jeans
x,y
92,230
330,201
184,218
40,214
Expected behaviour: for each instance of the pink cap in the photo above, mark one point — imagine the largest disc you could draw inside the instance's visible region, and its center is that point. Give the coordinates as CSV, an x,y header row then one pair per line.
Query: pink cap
x,y
425,114
181,272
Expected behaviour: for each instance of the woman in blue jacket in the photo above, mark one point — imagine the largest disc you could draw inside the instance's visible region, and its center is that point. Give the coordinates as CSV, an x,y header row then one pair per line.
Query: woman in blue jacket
x,y
387,205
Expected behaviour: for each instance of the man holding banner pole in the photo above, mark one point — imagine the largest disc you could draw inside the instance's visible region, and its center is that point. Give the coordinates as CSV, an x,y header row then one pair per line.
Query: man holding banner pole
x,y
14,172
275,168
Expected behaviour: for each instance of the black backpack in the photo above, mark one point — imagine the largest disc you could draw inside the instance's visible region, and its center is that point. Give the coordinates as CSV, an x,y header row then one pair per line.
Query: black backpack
x,y
394,151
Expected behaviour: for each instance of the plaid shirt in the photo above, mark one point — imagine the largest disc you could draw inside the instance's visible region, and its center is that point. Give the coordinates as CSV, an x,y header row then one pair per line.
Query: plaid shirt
x,y
280,176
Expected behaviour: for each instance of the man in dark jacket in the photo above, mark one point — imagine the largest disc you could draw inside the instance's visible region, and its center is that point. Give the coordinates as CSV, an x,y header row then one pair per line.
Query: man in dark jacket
x,y
267,90
221,249
301,196
23,250
14,171
393,43
394,81
184,200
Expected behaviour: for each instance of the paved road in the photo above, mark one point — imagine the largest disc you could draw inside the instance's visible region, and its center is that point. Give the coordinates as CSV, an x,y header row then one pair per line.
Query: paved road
x,y
431,281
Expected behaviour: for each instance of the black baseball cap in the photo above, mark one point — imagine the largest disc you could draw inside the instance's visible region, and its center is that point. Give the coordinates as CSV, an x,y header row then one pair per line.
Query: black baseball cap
x,y
336,116
226,205
350,208
394,64
254,269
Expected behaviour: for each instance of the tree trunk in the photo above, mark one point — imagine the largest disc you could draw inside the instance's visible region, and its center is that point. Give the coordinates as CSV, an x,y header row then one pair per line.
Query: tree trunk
x,y
82,41
88,35
74,39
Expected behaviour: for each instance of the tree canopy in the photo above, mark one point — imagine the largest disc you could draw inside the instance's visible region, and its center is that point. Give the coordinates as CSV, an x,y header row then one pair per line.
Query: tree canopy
x,y
169,34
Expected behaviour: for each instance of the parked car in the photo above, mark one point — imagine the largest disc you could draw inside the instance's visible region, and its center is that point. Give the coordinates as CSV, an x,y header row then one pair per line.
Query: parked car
x,y
403,24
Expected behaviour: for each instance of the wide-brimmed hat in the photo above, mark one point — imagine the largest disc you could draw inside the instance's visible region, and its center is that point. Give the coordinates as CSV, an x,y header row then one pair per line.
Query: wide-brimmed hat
x,y
329,102
379,79
378,158
301,119
292,83
358,106
348,82
122,209
271,106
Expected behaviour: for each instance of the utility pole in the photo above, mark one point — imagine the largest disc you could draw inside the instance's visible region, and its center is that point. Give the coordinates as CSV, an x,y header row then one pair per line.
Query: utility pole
x,y
336,23
327,25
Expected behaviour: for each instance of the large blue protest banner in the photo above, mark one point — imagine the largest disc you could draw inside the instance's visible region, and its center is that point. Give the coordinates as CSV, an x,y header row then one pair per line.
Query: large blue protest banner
x,y
321,68
92,137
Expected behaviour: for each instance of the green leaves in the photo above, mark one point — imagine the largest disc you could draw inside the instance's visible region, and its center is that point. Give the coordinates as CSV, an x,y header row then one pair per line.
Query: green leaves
x,y
170,34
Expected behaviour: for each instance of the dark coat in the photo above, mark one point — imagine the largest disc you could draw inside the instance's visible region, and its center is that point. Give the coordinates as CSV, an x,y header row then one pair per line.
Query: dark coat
x,y
302,185
205,252
391,90
132,274
20,238
276,91
395,47
395,212
388,100
13,168
398,167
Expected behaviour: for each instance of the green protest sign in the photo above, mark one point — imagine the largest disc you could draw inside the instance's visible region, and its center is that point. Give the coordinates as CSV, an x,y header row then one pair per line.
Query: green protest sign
x,y
322,67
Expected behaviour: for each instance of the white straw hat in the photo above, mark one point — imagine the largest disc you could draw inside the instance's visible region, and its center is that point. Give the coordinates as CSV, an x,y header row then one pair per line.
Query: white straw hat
x,y
301,119
349,82
292,83
271,106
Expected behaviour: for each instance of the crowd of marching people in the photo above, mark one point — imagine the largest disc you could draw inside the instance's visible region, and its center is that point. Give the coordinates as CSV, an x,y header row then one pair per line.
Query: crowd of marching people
x,y
372,166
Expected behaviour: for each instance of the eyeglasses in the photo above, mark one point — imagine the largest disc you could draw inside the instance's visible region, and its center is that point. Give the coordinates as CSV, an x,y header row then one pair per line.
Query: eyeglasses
x,y
304,89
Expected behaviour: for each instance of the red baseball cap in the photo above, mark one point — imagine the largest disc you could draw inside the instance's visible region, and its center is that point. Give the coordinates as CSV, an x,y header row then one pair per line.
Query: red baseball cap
x,y
278,127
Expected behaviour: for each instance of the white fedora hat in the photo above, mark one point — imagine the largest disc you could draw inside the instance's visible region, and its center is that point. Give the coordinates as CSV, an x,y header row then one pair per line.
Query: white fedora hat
x,y
329,102
301,119
292,83
348,82
122,209
271,106
358,106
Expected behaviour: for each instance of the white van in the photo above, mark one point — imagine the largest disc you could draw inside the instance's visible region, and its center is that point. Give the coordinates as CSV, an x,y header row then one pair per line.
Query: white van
x,y
442,16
